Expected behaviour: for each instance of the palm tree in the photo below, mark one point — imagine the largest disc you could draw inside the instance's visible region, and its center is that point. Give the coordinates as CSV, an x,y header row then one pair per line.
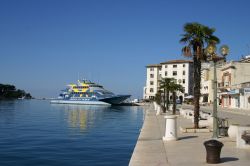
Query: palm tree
x,y
196,36
173,87
158,98
165,85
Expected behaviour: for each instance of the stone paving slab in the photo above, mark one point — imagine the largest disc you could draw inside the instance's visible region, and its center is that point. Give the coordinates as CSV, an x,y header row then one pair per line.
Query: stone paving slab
x,y
188,150
149,149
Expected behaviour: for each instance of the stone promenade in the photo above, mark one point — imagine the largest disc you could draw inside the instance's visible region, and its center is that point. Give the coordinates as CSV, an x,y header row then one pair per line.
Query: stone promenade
x,y
187,151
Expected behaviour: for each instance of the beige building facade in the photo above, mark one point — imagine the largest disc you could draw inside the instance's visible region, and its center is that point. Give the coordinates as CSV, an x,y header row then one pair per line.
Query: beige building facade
x,y
233,82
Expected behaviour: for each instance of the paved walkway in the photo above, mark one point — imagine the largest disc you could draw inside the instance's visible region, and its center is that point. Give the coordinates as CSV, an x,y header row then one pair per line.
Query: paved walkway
x,y
150,148
187,151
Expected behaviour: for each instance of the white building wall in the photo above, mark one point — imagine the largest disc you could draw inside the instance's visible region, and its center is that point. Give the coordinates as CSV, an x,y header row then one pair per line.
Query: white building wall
x,y
169,70
244,99
207,80
151,82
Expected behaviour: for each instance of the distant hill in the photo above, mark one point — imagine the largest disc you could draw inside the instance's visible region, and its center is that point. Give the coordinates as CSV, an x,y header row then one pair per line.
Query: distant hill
x,y
10,92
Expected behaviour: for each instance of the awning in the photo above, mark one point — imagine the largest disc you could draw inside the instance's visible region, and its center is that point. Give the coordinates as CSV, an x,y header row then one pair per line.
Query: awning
x,y
232,92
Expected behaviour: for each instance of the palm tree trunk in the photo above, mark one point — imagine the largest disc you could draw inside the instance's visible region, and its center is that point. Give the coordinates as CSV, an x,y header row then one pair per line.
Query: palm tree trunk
x,y
164,100
167,106
174,103
197,79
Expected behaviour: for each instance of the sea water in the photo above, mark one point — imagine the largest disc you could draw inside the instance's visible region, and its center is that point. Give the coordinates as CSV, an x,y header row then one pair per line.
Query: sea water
x,y
37,133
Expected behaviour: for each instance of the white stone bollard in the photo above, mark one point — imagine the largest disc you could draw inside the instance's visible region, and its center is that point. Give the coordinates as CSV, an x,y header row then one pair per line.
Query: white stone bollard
x,y
155,105
158,110
181,111
171,128
232,131
171,107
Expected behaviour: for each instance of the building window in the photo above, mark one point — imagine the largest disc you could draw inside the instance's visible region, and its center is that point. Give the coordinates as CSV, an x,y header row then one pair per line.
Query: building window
x,y
174,73
183,81
174,66
151,69
159,69
183,65
151,90
160,75
166,66
166,73
183,73
151,82
151,75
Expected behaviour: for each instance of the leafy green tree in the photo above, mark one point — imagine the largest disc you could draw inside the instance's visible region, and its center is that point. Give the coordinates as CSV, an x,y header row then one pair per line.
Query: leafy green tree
x,y
196,36
9,92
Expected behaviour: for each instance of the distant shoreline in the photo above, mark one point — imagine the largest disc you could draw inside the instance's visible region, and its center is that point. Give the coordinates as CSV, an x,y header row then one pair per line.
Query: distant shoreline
x,y
9,92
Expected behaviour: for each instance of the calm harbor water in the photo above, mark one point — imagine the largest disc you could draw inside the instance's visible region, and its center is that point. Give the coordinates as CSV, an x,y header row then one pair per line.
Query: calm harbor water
x,y
34,132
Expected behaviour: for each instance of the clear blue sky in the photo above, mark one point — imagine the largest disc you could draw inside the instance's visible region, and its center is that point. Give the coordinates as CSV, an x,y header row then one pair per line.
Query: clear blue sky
x,y
44,44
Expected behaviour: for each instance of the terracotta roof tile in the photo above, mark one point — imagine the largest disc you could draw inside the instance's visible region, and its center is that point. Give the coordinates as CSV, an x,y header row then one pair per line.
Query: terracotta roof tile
x,y
154,65
177,61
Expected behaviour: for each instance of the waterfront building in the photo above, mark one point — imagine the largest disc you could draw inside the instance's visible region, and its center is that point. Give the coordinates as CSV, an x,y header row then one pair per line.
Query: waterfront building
x,y
233,80
181,70
207,76
152,81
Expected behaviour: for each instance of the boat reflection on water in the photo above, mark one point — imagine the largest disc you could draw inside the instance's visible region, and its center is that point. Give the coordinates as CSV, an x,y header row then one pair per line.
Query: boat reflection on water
x,y
81,117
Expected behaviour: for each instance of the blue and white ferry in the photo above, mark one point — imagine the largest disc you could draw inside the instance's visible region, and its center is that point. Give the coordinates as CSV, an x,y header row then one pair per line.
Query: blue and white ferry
x,y
88,93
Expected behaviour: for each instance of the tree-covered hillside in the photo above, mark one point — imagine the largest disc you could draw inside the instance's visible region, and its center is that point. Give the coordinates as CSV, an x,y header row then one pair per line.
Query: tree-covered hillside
x,y
10,92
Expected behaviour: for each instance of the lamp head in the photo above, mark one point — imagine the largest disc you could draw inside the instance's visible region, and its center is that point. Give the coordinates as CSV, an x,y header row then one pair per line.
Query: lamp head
x,y
224,50
210,51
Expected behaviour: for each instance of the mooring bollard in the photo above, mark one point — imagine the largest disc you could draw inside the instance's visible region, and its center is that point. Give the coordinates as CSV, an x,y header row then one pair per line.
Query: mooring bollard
x,y
158,110
213,149
171,128
155,105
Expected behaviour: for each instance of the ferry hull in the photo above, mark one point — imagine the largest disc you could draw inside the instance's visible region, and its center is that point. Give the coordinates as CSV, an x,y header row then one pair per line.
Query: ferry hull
x,y
116,100
78,102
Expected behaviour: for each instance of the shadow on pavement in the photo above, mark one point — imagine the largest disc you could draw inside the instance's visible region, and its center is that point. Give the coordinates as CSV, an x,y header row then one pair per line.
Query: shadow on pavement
x,y
187,137
228,159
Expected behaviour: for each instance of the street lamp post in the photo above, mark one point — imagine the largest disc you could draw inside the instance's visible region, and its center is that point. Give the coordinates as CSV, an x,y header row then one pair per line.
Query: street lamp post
x,y
212,56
